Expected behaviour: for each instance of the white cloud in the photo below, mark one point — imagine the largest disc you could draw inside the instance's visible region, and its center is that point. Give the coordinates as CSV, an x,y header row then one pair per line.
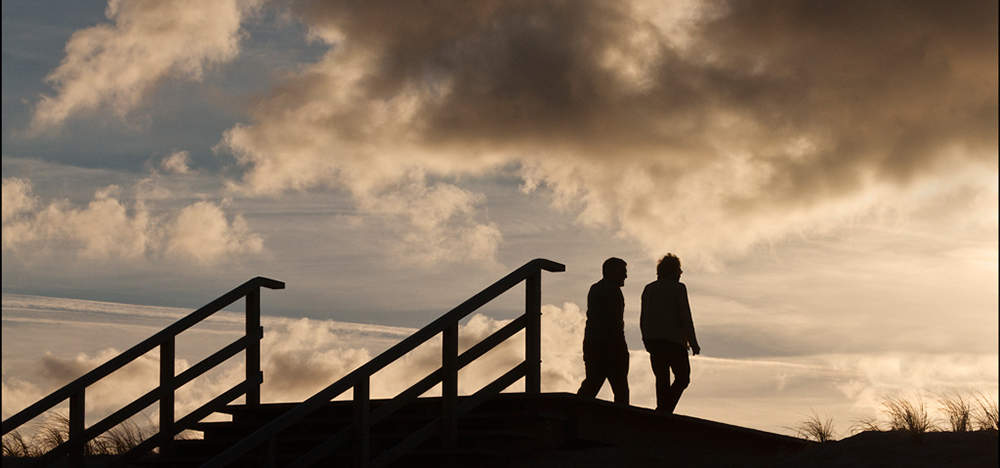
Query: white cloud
x,y
116,65
17,198
437,223
667,129
669,123
17,395
311,137
109,228
104,229
202,232
179,162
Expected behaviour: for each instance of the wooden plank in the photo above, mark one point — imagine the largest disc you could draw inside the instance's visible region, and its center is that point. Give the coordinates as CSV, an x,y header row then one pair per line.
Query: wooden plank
x,y
533,333
168,387
449,387
362,424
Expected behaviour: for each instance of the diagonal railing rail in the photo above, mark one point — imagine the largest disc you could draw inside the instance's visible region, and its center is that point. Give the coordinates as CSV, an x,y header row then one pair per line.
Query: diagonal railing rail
x,y
447,374
75,391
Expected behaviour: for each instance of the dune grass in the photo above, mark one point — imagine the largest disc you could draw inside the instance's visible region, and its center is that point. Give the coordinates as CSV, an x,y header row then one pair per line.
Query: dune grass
x,y
908,415
960,410
986,419
866,423
16,445
816,429
54,430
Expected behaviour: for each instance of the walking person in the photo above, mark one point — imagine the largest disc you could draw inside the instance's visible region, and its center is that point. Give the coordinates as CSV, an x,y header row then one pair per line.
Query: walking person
x,y
668,332
605,353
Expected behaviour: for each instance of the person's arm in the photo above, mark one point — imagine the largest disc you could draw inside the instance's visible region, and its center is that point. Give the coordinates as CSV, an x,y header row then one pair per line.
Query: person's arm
x,y
598,315
687,322
644,312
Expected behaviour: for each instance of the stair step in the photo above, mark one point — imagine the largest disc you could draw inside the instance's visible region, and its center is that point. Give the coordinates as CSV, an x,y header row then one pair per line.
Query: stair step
x,y
501,428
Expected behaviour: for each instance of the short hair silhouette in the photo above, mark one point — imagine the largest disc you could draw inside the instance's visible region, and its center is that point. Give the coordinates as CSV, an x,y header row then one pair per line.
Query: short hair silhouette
x,y
611,264
668,266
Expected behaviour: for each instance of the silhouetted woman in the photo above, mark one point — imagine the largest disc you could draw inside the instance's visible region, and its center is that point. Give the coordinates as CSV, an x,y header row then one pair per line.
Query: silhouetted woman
x,y
668,332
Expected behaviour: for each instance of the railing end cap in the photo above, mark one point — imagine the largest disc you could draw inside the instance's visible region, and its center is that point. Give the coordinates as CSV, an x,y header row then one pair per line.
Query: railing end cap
x,y
268,283
549,265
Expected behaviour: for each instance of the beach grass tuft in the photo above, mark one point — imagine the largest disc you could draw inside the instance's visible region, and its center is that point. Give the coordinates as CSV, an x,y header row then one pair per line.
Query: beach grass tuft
x,y
908,415
54,431
960,410
816,429
986,419
866,423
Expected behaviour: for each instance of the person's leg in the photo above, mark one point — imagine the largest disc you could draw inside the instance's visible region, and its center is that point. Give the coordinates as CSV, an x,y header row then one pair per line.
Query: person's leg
x,y
660,362
594,366
681,366
618,374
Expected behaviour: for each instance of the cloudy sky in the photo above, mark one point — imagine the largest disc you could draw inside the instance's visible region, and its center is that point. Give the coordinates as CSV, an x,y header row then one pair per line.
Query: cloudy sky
x,y
827,172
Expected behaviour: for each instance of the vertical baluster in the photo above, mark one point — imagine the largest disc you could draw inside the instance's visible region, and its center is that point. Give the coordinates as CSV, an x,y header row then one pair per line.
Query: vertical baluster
x,y
167,372
533,333
77,418
449,387
253,329
362,421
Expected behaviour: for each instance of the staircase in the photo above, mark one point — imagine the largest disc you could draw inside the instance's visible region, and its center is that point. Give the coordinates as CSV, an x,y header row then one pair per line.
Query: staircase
x,y
264,431
504,428
485,428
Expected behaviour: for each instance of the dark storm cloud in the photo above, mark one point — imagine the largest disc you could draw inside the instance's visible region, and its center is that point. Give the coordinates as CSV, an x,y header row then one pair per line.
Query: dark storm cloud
x,y
518,70
880,85
888,85
754,114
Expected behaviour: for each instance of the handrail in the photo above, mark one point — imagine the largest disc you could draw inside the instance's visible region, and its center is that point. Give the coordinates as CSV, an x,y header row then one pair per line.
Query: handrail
x,y
75,391
530,273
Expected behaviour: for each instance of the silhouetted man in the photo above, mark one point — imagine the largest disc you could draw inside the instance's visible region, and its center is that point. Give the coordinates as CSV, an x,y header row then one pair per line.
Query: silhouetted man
x,y
668,332
605,354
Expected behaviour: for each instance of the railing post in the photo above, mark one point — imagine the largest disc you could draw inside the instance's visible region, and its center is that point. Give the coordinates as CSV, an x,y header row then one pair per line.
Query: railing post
x,y
77,418
167,372
533,333
449,387
254,376
362,422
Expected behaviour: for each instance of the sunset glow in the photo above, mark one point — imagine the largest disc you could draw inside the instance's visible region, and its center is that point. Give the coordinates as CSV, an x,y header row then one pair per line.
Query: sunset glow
x,y
827,172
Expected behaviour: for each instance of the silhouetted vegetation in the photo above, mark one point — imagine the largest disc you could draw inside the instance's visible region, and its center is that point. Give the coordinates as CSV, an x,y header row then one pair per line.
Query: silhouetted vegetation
x,y
867,423
959,410
814,428
986,417
16,445
55,431
909,415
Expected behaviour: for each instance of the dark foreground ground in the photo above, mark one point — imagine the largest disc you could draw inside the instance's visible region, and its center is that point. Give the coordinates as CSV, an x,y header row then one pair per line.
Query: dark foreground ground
x,y
868,449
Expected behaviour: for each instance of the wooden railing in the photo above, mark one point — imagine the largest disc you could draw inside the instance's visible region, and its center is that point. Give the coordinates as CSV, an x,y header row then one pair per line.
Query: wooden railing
x,y
75,392
451,362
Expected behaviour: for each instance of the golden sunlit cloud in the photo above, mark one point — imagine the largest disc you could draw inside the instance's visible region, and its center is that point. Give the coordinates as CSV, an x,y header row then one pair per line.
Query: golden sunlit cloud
x,y
109,227
730,126
117,65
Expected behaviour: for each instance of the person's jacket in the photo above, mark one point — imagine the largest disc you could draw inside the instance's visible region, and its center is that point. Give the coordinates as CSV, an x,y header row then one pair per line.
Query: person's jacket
x,y
605,312
666,313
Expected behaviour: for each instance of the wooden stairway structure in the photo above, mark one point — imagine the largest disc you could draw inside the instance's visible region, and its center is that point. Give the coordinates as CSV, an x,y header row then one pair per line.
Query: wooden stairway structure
x,y
407,430
504,428
358,381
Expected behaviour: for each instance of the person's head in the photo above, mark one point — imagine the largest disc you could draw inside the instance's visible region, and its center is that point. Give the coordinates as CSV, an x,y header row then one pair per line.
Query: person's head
x,y
669,267
615,270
